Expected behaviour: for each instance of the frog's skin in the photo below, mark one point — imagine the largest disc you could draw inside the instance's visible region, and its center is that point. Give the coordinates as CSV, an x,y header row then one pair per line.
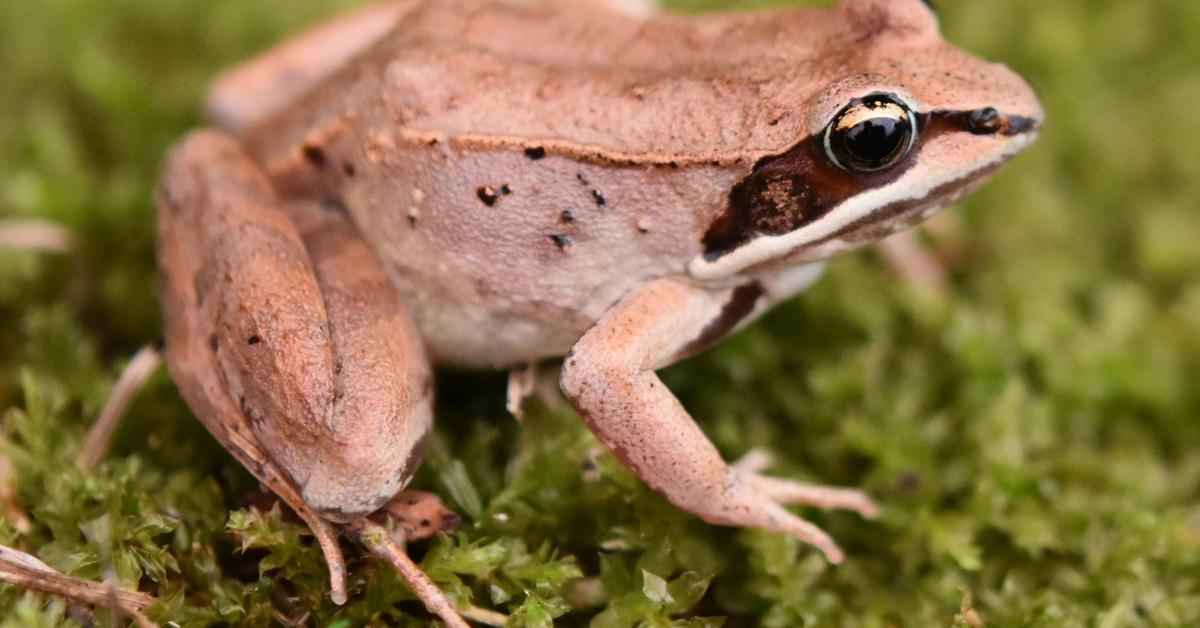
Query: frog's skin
x,y
480,184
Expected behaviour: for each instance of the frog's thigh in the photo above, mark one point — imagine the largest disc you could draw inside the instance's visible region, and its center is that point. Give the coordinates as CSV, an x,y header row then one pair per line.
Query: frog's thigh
x,y
253,91
609,377
298,325
383,397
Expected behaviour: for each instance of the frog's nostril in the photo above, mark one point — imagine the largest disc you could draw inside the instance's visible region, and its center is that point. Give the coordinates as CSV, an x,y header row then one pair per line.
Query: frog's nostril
x,y
984,121
989,121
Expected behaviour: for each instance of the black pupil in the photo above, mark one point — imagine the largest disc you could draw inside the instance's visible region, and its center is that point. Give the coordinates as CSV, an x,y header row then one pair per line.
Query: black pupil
x,y
876,140
871,134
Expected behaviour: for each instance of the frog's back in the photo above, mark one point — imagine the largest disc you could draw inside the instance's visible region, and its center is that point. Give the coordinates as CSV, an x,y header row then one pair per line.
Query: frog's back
x,y
672,87
519,169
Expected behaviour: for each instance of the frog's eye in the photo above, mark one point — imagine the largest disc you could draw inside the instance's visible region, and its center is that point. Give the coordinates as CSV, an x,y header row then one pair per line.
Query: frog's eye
x,y
870,134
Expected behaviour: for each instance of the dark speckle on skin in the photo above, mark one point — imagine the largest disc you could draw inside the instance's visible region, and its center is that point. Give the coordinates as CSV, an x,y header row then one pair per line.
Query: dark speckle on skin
x,y
348,168
253,340
562,241
599,198
490,195
315,156
566,216
535,153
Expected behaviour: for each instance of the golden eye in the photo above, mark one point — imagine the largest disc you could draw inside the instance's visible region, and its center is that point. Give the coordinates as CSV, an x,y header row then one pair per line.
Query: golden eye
x,y
871,134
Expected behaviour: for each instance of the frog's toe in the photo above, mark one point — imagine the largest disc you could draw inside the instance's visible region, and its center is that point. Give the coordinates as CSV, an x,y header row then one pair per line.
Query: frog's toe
x,y
741,504
749,469
825,497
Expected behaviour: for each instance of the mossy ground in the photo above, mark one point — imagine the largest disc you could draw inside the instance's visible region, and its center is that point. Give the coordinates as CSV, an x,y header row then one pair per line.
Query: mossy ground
x,y
1032,436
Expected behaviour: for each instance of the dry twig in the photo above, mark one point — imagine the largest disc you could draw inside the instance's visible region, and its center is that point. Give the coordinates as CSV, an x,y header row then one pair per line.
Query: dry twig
x,y
37,235
26,571
376,538
144,363
252,458
521,384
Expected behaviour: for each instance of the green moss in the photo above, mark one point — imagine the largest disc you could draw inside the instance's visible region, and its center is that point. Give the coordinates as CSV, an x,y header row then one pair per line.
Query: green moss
x,y
1031,436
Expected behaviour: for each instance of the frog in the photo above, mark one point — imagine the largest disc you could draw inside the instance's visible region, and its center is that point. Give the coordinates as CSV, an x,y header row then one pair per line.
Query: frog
x,y
486,184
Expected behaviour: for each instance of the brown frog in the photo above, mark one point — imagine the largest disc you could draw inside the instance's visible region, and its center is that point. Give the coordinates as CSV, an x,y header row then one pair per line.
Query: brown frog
x,y
489,184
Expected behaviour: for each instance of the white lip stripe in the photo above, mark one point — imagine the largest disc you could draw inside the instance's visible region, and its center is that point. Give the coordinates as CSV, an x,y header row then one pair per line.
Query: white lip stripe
x,y
855,208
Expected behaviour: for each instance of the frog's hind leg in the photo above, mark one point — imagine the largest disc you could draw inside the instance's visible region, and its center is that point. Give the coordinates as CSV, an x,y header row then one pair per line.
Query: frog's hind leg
x,y
190,338
250,93
301,325
749,469
287,340
609,377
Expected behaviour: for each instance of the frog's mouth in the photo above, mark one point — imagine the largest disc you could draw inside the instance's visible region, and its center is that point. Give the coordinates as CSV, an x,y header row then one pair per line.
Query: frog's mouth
x,y
795,207
892,218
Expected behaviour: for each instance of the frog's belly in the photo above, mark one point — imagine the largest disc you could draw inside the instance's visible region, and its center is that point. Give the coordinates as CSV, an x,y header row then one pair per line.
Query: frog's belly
x,y
506,261
486,308
492,315
475,335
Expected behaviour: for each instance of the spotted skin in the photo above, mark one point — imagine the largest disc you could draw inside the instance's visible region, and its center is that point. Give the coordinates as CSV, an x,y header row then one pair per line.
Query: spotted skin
x,y
490,184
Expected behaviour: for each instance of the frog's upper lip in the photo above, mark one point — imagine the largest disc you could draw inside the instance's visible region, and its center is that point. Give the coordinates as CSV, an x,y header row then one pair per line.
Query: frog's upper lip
x,y
1018,131
1018,125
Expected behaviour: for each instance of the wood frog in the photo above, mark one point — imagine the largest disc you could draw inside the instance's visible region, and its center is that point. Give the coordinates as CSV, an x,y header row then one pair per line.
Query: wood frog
x,y
488,184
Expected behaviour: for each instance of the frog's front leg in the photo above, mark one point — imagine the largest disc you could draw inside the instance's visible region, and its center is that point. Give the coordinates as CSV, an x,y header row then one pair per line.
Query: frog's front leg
x,y
609,377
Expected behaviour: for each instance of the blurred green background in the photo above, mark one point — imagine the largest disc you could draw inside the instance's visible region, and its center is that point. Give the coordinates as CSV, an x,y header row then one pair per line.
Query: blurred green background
x,y
1031,435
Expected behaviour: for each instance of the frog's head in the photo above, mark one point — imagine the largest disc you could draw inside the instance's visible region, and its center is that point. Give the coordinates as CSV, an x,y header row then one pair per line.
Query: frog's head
x,y
901,125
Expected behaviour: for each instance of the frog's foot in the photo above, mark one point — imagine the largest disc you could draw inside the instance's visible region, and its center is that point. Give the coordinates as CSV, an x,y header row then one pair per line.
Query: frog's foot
x,y
609,377
741,504
415,515
791,492
906,256
377,539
